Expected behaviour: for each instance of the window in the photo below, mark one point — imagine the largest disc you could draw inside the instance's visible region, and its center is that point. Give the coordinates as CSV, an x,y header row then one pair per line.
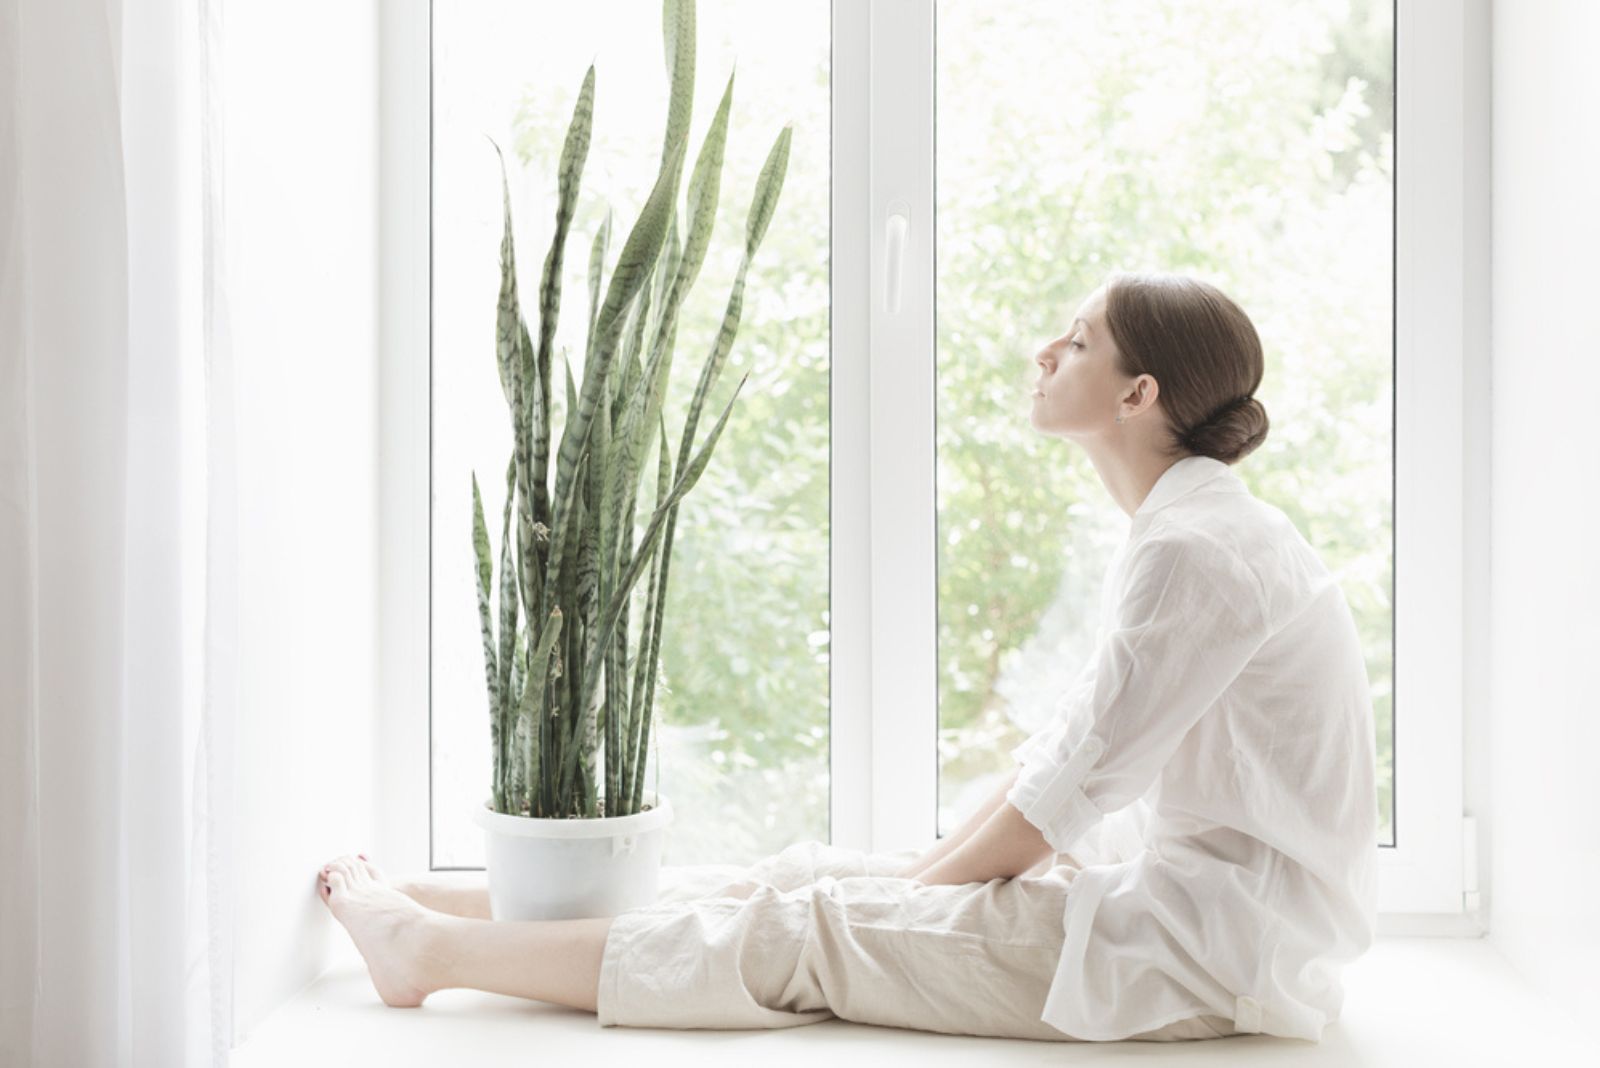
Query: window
x,y
889,574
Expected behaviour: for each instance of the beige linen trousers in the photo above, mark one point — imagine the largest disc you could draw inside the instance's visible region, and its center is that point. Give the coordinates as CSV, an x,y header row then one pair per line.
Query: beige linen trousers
x,y
829,932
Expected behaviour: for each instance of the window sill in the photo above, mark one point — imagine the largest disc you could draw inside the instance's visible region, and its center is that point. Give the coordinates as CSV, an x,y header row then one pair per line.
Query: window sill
x,y
1410,1000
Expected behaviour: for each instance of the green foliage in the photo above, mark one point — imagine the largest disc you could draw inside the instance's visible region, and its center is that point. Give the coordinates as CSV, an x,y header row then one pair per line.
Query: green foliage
x,y
575,567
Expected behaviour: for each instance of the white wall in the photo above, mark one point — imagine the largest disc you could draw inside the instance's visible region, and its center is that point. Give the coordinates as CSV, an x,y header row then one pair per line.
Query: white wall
x,y
1544,734
301,182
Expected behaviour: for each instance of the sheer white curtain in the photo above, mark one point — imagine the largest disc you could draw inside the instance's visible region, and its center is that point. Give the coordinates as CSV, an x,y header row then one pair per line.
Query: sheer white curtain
x,y
117,533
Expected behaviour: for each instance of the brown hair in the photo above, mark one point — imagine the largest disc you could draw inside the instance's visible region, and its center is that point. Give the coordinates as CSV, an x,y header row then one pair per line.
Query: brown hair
x,y
1202,349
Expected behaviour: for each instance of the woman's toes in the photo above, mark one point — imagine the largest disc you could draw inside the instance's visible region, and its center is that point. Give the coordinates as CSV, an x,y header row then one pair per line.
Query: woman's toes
x,y
372,870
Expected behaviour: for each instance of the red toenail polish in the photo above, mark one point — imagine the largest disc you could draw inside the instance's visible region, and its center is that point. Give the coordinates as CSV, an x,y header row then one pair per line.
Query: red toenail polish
x,y
363,856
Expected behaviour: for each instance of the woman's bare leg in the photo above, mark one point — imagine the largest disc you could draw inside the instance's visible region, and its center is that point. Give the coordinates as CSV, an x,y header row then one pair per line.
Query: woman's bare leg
x,y
951,842
547,960
456,893
411,951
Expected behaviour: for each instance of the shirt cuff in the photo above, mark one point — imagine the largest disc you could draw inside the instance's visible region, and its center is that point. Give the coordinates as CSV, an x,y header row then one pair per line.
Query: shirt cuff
x,y
1050,794
1037,746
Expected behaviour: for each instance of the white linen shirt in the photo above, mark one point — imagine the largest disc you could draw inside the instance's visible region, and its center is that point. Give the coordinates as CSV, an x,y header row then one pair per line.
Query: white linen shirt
x,y
1212,771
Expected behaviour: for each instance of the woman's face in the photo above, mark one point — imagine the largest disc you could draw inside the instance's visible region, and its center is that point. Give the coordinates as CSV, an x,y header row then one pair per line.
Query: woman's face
x,y
1078,388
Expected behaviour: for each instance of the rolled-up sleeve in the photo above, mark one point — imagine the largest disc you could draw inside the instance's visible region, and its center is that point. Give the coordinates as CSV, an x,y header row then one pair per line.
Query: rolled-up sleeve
x,y
1189,618
1041,743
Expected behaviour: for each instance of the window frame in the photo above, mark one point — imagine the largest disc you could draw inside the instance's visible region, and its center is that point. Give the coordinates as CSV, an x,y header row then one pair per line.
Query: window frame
x,y
883,611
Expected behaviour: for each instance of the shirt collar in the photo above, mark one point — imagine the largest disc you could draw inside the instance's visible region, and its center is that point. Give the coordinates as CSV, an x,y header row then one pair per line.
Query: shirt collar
x,y
1188,473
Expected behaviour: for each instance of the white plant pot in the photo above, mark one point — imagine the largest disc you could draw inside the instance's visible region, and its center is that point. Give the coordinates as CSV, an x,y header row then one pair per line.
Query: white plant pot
x,y
562,869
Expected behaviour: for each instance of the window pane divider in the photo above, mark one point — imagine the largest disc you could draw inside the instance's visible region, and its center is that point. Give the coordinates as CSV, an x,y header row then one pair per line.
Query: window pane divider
x,y
884,647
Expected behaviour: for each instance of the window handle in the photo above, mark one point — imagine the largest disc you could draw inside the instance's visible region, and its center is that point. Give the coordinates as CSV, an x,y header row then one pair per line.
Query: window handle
x,y
894,254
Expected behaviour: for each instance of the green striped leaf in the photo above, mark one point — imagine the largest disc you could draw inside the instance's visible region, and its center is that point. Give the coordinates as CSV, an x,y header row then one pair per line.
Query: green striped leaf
x,y
597,259
508,617
531,703
768,186
573,154
678,37
485,574
650,640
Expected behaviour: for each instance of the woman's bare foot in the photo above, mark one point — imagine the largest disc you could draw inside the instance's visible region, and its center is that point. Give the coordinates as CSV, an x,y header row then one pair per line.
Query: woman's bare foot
x,y
394,933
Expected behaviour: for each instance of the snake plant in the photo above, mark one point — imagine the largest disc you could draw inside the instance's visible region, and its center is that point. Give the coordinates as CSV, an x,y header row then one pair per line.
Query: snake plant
x,y
556,648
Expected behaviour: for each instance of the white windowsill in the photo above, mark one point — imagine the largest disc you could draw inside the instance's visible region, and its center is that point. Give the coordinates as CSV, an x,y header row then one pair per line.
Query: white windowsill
x,y
1409,1001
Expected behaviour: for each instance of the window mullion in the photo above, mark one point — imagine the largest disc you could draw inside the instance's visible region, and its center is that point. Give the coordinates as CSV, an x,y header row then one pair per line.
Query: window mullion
x,y
900,459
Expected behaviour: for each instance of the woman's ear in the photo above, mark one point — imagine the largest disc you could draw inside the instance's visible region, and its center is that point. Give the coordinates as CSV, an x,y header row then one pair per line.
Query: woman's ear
x,y
1144,393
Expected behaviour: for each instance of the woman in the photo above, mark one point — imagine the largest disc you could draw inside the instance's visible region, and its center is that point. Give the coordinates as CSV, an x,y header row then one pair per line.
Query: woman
x,y
1186,851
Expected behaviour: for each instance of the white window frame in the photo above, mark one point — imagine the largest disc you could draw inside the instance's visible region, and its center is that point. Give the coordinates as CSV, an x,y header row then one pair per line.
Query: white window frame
x,y
884,689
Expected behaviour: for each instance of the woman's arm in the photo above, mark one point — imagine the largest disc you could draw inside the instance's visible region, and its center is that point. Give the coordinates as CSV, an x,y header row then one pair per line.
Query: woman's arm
x,y
1005,846
950,843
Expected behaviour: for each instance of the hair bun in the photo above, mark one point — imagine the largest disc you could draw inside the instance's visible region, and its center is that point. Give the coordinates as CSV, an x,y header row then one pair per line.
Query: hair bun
x,y
1230,432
